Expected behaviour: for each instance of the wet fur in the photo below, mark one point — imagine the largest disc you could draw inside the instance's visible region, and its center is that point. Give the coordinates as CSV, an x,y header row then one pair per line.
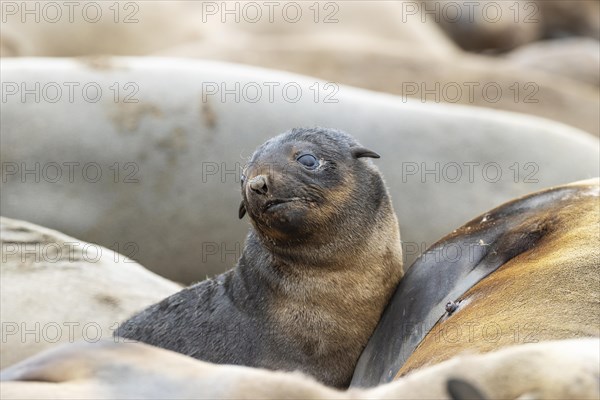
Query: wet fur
x,y
527,271
547,292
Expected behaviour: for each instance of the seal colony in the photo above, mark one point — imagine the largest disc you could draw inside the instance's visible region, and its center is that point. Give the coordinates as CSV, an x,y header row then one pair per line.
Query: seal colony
x,y
321,260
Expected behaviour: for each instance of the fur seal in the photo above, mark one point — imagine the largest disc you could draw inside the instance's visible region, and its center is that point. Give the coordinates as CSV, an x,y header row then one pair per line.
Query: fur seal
x,y
525,271
39,264
563,369
320,263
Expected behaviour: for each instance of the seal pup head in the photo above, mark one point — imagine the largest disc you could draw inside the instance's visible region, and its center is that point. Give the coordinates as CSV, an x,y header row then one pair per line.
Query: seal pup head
x,y
313,187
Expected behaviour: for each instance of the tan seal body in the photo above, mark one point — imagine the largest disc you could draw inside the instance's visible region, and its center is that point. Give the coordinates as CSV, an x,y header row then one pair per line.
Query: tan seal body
x,y
320,263
55,288
548,292
523,272
564,369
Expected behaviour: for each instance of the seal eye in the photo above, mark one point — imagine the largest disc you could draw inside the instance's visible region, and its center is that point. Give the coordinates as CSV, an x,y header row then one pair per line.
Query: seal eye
x,y
308,160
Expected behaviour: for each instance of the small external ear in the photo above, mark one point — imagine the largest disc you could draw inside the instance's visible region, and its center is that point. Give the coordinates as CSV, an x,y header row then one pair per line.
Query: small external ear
x,y
360,152
242,210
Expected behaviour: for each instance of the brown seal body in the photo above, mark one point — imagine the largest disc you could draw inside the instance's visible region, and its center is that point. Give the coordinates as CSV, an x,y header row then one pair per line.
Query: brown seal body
x,y
550,291
320,263
524,272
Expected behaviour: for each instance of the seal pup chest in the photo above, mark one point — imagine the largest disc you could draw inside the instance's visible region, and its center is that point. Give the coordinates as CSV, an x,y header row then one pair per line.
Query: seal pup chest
x,y
328,312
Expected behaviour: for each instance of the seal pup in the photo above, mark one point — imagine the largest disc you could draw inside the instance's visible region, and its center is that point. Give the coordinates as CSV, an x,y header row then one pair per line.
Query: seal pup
x,y
320,263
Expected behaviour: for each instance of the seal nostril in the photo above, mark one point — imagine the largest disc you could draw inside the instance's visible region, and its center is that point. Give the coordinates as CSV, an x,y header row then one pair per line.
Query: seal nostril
x,y
259,184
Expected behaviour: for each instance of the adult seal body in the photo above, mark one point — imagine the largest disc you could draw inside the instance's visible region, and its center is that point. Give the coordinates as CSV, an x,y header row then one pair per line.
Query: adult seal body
x,y
320,263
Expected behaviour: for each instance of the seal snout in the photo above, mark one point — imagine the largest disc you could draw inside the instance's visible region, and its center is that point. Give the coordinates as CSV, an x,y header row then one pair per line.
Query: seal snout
x,y
259,184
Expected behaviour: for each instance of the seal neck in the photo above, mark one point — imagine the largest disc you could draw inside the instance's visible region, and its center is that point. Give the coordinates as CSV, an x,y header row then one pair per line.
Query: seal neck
x,y
352,243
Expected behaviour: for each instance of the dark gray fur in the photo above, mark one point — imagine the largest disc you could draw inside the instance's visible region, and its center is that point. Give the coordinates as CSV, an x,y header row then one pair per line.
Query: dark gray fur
x,y
309,287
